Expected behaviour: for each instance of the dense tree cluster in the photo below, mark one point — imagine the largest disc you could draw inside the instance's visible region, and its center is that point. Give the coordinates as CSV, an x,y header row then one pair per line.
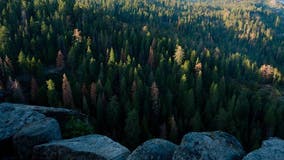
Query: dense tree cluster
x,y
152,68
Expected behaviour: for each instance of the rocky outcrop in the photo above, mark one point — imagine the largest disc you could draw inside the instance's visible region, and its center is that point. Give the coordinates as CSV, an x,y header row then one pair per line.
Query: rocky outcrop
x,y
154,149
82,148
62,115
208,146
23,126
12,120
271,149
36,133
33,132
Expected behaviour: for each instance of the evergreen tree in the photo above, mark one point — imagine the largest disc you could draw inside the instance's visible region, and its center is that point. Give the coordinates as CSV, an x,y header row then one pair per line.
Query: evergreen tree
x,y
270,119
189,108
132,128
18,95
85,105
100,112
196,122
155,99
113,114
21,59
199,89
67,92
151,56
51,93
111,59
173,129
93,93
4,40
241,113
60,60
179,55
34,90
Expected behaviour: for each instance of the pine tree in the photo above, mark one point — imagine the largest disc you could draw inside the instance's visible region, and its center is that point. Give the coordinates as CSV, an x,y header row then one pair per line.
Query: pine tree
x,y
72,60
111,59
113,114
133,90
93,93
155,98
4,39
5,67
189,107
196,122
241,116
132,128
270,119
85,105
222,119
8,64
179,55
18,95
277,21
21,58
151,56
100,112
77,35
212,105
163,131
60,60
34,90
67,92
84,90
173,129
51,93
2,69
199,89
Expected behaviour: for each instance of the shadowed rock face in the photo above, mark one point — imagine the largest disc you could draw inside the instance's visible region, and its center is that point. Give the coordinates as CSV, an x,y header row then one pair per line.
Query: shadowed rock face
x,y
82,148
154,149
209,146
271,149
23,126
12,120
36,133
62,115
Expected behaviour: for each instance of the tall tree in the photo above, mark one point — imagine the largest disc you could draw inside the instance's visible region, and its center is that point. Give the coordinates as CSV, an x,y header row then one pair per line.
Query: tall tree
x,y
132,128
60,60
151,56
113,114
67,92
241,117
188,108
85,105
4,40
93,93
34,90
173,129
196,121
179,55
155,99
111,59
18,95
21,58
51,93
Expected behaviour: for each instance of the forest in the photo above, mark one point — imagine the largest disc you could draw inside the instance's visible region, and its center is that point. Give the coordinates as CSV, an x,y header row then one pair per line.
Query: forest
x,y
149,68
